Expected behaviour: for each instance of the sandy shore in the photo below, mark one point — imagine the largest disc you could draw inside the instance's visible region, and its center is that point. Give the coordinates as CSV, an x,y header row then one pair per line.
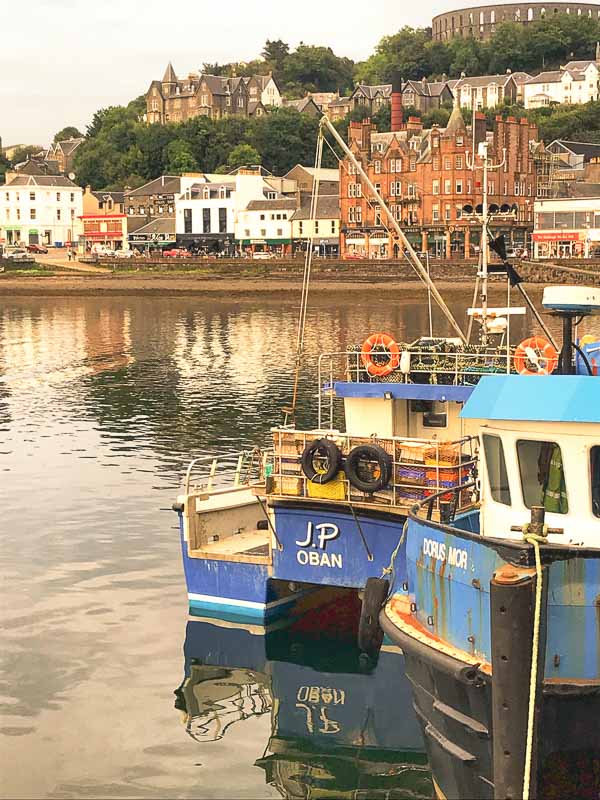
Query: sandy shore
x,y
171,285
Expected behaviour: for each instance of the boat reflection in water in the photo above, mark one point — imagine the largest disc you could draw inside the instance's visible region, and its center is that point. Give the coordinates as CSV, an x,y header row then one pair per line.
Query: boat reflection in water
x,y
334,730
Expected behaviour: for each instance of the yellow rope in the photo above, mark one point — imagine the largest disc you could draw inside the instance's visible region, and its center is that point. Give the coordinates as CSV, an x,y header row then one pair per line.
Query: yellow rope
x,y
534,540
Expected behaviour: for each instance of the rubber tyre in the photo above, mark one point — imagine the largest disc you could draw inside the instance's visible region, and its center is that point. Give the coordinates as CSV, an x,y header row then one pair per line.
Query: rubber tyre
x,y
370,634
372,452
333,455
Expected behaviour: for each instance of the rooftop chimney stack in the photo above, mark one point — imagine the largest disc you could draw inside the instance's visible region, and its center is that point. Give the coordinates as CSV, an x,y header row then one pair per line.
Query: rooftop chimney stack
x,y
396,103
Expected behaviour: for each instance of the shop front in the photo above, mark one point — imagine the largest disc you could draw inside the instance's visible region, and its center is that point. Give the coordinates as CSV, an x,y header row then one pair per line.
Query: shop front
x,y
561,244
208,244
155,236
106,231
278,248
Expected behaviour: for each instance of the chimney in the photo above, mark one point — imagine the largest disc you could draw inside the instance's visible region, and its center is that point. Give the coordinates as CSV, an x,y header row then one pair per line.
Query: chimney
x,y
396,103
414,124
480,127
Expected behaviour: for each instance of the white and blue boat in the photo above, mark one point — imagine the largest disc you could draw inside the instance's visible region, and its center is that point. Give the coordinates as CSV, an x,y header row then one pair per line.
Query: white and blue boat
x,y
498,613
261,530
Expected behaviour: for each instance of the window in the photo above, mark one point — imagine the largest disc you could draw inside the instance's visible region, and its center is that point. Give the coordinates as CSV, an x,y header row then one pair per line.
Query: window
x,y
32,195
595,467
187,220
447,163
458,162
459,212
333,226
58,197
492,187
222,220
18,213
395,189
72,197
300,227
32,213
206,220
542,476
447,187
435,213
316,226
377,167
447,213
58,213
262,216
496,469
459,187
435,163
279,231
263,232
435,187
460,141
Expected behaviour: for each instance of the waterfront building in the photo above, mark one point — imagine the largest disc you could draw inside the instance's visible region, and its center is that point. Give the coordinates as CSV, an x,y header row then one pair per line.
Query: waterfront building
x,y
148,205
480,22
40,209
304,178
576,83
265,225
324,228
425,178
567,228
103,221
208,208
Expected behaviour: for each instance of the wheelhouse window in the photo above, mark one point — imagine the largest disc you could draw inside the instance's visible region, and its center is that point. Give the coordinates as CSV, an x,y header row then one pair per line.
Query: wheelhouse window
x,y
595,465
542,476
496,469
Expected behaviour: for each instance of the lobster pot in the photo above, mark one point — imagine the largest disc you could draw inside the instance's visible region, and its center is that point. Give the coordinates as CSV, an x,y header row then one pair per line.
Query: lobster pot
x,y
413,493
355,441
444,455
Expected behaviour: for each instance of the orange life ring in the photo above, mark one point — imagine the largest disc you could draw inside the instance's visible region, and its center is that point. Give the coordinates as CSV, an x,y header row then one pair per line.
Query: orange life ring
x,y
536,356
388,347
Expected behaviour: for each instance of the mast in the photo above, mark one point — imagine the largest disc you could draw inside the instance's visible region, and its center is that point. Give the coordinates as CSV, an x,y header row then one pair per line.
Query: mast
x,y
410,253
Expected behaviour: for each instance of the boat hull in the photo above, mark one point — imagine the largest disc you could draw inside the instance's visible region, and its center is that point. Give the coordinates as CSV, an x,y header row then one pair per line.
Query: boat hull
x,y
465,622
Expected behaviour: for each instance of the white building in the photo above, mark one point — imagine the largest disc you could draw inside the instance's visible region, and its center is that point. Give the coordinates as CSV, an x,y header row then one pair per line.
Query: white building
x,y
575,83
568,228
40,209
323,230
266,225
264,89
208,209
488,91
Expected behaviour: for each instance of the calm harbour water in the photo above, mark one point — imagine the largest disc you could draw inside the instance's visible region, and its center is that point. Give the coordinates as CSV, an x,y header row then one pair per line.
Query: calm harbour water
x,y
102,404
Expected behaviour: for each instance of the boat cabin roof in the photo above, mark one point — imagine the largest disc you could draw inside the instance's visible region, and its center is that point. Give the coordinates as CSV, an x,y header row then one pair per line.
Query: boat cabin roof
x,y
535,398
402,391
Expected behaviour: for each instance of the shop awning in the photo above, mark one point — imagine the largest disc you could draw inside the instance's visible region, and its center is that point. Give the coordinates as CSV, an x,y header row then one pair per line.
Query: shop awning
x,y
557,236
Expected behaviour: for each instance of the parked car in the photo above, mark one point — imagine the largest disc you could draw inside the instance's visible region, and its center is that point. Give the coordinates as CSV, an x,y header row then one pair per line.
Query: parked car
x,y
124,254
177,252
262,255
18,254
36,248
103,252
516,252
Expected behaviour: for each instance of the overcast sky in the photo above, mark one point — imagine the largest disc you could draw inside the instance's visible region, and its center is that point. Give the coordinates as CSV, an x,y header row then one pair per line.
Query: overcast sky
x,y
73,57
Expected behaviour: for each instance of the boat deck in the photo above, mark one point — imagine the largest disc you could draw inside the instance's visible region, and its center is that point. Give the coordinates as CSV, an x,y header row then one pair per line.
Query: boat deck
x,y
251,547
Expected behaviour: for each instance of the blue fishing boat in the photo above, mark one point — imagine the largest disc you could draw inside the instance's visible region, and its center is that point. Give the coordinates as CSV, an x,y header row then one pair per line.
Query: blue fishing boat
x,y
498,614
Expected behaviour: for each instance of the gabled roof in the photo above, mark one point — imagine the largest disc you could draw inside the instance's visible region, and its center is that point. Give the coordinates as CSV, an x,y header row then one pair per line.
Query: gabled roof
x,y
426,88
328,207
216,83
69,145
485,80
43,180
279,204
456,123
586,149
380,89
158,225
554,76
116,197
302,104
579,65
166,184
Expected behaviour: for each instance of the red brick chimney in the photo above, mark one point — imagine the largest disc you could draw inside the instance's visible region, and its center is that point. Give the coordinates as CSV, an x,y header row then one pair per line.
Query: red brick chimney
x,y
397,118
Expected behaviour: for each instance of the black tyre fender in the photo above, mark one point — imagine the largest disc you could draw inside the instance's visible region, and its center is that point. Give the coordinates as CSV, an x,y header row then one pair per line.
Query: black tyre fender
x,y
372,452
370,634
333,455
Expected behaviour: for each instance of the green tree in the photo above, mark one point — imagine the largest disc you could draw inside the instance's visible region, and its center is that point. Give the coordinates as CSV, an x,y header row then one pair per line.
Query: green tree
x,y
24,153
243,155
179,157
4,166
275,52
70,132
317,69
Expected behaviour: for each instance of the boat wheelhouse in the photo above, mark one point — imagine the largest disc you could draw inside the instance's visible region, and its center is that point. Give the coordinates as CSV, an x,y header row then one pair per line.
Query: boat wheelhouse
x,y
498,612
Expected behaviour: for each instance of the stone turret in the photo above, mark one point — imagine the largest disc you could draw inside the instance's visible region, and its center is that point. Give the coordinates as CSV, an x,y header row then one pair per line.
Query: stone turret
x,y
169,81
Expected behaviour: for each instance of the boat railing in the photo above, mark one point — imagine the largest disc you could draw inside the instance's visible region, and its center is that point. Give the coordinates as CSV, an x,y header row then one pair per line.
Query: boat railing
x,y
452,365
423,470
227,471
447,503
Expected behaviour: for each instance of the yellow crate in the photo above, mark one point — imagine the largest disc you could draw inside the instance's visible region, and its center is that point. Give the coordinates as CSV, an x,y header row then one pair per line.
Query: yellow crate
x,y
288,486
445,455
333,490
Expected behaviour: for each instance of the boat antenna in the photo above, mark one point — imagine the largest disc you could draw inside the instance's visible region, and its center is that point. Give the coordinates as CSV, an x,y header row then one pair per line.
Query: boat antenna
x,y
290,411
411,255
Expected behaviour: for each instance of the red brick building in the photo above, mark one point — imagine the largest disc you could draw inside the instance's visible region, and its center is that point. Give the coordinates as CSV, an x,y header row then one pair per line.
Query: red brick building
x,y
424,177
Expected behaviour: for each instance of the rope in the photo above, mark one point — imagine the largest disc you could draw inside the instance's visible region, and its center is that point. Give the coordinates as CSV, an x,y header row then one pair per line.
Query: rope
x,y
534,540
389,570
